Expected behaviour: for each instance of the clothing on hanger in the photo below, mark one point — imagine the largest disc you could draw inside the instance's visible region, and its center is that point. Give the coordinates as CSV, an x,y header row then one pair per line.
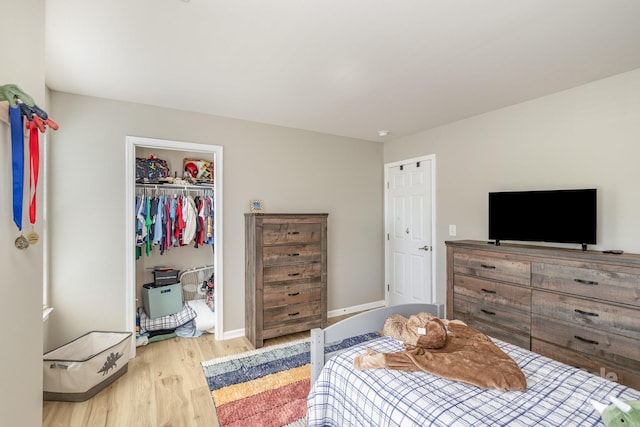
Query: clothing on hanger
x,y
170,220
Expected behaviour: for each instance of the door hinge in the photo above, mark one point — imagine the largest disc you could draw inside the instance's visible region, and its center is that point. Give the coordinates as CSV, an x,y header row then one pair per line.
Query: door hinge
x,y
387,236
387,287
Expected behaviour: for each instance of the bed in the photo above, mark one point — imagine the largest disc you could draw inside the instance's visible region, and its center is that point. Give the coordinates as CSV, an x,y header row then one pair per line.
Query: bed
x,y
557,394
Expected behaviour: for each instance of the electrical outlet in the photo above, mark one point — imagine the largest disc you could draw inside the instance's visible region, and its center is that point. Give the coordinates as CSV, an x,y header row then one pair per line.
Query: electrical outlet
x,y
452,230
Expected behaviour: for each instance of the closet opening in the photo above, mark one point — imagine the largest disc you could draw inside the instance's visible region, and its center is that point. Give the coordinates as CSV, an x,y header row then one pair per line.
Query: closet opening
x,y
194,260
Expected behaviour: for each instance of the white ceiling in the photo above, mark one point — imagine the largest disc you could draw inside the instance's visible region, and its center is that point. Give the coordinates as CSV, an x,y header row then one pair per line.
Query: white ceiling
x,y
344,67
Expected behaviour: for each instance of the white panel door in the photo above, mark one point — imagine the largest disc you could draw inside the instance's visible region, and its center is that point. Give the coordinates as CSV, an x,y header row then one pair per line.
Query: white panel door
x,y
409,234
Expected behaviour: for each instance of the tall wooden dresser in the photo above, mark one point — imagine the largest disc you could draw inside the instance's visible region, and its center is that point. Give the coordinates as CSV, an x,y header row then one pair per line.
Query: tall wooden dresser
x,y
579,307
285,274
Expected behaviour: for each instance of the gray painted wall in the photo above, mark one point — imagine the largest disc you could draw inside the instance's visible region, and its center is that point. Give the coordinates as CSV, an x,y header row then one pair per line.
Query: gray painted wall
x,y
291,170
586,137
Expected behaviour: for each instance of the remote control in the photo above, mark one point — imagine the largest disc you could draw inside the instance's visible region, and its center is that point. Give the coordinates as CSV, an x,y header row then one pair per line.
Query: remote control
x,y
613,251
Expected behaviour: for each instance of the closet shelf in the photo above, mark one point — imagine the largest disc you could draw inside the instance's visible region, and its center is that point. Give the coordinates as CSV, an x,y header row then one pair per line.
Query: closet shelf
x,y
177,186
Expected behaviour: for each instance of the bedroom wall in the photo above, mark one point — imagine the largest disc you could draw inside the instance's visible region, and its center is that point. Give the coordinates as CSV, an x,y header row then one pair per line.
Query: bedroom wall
x,y
588,136
21,302
291,170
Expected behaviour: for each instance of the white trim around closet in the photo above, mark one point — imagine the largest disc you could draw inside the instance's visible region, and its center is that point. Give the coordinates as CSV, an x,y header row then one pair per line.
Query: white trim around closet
x,y
131,143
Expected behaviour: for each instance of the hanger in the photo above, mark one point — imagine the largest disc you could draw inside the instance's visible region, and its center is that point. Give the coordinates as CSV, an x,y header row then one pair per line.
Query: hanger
x,y
13,93
37,117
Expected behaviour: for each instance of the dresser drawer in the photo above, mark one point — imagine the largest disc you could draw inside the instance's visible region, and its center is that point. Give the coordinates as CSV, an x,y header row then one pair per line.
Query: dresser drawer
x,y
278,295
593,314
618,349
603,368
490,265
275,316
284,233
286,273
287,254
491,292
605,282
495,313
495,331
277,329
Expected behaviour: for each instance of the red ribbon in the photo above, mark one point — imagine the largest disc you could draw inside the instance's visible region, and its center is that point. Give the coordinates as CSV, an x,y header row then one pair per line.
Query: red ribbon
x,y
34,156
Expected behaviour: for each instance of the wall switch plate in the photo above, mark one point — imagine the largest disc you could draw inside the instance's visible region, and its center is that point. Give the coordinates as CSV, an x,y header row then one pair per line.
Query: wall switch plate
x,y
452,230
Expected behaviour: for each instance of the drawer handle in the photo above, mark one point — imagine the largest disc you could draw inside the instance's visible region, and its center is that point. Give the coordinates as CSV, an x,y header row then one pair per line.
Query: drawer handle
x,y
586,313
585,282
488,291
293,232
492,313
293,274
490,267
293,254
293,294
579,338
294,314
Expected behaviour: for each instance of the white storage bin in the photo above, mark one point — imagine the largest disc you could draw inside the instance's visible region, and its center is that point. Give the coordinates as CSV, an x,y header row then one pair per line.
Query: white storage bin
x,y
78,370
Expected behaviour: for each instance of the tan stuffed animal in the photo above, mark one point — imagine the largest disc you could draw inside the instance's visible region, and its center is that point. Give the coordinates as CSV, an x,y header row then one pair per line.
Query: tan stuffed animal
x,y
420,330
447,348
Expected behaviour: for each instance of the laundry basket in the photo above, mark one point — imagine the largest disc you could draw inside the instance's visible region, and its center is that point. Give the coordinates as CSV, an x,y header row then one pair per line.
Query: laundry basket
x,y
198,291
81,368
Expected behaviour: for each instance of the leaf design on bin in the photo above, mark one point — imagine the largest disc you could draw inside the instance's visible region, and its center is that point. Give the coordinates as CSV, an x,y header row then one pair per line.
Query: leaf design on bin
x,y
110,363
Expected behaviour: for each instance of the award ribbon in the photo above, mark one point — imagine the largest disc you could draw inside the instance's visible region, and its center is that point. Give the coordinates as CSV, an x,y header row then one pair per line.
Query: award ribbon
x,y
34,167
17,163
17,170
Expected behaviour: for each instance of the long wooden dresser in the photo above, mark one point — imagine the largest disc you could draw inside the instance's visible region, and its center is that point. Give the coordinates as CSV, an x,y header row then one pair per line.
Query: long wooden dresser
x,y
579,307
285,274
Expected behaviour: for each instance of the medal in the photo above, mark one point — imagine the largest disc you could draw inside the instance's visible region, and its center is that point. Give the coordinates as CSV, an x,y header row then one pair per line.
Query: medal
x,y
36,118
21,242
33,237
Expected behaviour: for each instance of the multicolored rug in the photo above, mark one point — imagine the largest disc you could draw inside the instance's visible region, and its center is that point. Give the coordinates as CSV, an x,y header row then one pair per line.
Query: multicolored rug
x,y
267,387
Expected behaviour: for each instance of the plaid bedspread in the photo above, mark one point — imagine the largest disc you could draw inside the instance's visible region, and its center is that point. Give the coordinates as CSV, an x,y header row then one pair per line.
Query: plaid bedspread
x,y
557,395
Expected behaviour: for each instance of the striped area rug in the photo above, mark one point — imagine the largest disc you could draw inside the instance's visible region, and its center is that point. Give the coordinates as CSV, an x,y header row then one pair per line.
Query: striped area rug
x,y
266,387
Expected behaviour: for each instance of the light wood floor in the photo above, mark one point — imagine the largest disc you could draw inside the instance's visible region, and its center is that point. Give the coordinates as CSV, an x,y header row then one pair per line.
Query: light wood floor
x,y
164,386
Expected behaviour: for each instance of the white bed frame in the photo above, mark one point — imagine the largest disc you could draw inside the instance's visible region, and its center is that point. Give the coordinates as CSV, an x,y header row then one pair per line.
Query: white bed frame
x,y
359,324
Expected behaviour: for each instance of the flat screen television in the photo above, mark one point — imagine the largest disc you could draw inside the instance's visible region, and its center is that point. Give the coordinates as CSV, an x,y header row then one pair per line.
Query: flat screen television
x,y
558,216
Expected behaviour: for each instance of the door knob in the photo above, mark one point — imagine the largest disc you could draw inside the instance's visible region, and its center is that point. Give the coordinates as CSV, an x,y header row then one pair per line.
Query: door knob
x,y
425,248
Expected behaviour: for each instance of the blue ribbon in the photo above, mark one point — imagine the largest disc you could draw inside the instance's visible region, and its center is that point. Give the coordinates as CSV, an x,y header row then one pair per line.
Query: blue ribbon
x,y
17,163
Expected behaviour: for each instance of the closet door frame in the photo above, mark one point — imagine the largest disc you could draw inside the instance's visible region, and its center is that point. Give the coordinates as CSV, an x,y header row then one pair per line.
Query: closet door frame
x,y
131,143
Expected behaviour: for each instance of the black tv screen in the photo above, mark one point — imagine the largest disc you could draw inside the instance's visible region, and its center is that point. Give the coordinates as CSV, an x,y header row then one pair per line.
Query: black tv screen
x,y
559,216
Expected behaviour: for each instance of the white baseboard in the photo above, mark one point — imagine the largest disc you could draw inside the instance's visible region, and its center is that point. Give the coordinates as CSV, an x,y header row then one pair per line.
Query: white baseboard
x,y
237,333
